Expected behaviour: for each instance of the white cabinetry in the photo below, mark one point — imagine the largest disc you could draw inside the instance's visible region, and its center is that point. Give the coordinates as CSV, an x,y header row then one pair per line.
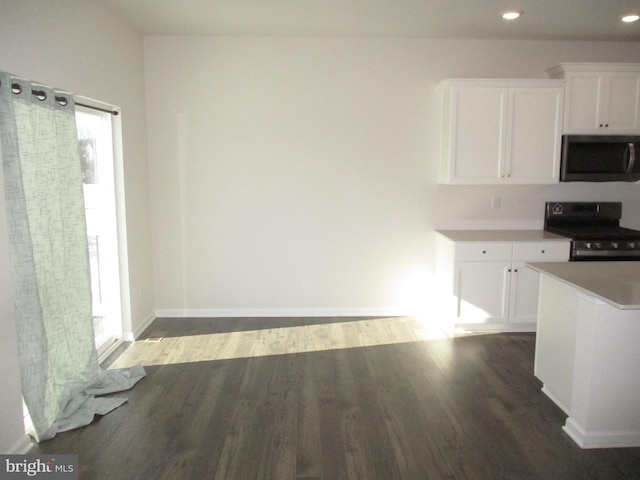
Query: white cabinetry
x,y
587,352
486,285
501,131
600,98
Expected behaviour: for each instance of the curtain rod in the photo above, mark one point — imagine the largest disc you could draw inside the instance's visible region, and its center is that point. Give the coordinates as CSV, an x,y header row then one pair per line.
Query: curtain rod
x,y
42,95
112,112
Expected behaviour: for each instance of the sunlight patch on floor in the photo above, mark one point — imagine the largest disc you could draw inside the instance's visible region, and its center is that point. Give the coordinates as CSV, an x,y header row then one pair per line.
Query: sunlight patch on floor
x,y
278,341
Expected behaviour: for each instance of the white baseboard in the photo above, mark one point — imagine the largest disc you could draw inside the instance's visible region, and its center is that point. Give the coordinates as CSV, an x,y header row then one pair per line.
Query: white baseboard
x,y
280,312
599,439
556,400
496,327
131,336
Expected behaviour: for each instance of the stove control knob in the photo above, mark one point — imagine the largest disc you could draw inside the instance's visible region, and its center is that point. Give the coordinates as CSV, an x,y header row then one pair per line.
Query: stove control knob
x,y
632,245
587,245
614,245
598,245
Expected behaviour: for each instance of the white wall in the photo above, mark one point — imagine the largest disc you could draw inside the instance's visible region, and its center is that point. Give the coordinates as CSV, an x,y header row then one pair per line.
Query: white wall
x,y
80,46
298,175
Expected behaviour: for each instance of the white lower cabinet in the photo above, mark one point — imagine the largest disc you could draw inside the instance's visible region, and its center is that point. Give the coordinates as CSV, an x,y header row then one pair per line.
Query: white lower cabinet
x,y
482,292
486,285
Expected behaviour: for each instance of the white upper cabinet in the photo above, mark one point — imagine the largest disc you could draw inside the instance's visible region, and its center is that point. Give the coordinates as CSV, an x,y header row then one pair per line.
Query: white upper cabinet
x,y
600,98
501,131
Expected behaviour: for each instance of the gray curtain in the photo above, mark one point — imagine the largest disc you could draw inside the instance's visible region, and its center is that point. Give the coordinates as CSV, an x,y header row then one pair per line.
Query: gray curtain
x,y
59,367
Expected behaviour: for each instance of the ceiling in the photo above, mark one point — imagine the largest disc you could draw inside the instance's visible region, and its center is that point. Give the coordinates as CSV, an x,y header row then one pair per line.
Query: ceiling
x,y
542,19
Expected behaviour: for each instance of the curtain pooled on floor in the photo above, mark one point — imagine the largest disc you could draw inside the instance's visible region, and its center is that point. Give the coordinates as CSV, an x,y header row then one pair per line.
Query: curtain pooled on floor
x,y
49,259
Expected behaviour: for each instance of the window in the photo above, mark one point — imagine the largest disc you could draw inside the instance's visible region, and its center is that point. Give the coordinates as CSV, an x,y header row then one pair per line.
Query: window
x,y
95,135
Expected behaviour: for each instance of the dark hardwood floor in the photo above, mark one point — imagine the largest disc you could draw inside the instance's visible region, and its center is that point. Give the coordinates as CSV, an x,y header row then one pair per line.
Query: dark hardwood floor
x,y
459,408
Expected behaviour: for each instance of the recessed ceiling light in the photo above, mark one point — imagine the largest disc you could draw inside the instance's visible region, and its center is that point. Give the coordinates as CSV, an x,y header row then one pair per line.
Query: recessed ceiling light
x,y
631,17
511,14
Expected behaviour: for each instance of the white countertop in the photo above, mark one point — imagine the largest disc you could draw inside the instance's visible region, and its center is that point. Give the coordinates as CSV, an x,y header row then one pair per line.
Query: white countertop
x,y
616,283
501,235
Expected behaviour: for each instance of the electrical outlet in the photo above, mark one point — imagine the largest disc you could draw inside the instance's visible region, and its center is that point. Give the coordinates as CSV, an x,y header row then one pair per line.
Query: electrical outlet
x,y
495,203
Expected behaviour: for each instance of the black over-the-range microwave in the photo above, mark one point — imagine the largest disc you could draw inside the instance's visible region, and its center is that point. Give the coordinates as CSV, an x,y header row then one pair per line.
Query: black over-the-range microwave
x,y
600,158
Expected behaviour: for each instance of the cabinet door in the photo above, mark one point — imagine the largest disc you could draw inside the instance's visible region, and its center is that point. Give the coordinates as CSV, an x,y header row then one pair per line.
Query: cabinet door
x,y
523,307
603,103
477,134
584,101
482,292
623,104
534,135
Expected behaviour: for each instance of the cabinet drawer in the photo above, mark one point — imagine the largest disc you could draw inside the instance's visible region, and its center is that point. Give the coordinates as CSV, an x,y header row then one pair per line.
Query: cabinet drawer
x,y
541,251
483,251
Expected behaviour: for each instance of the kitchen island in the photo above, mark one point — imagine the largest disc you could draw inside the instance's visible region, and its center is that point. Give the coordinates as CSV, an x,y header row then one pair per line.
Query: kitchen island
x,y
588,348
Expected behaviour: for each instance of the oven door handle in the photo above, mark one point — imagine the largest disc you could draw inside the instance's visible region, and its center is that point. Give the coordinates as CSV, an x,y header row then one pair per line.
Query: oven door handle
x,y
631,148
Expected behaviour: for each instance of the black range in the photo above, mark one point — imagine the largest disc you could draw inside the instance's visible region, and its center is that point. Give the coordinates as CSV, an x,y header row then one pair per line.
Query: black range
x,y
594,228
